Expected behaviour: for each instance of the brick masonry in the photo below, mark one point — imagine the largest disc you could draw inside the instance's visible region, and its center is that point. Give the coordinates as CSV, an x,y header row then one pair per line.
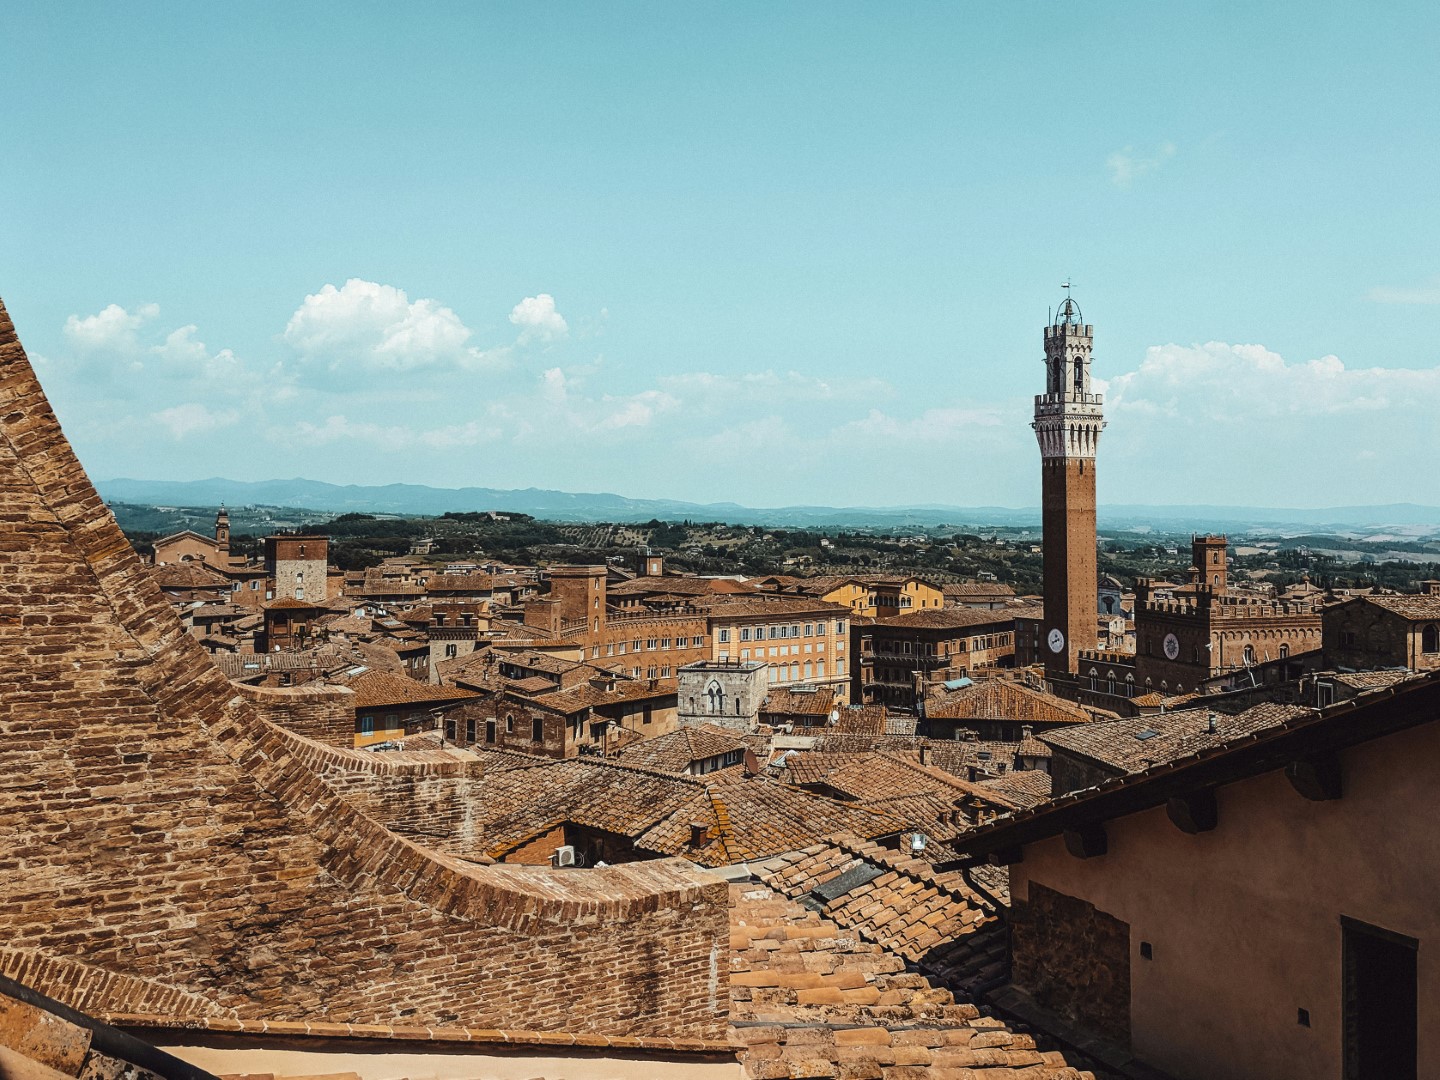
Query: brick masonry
x,y
160,840
1074,959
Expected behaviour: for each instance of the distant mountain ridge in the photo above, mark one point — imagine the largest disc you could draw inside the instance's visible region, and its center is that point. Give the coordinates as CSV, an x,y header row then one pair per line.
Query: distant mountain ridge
x,y
569,506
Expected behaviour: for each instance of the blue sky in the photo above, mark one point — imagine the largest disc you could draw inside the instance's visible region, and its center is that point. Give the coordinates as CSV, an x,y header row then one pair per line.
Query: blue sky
x,y
774,254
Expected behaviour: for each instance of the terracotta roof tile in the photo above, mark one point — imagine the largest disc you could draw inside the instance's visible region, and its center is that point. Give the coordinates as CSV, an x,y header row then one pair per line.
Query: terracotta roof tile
x,y
375,689
681,748
1005,699
1134,743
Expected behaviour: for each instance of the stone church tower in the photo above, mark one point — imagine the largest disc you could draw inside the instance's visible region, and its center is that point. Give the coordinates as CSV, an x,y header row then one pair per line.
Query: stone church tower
x,y
1068,421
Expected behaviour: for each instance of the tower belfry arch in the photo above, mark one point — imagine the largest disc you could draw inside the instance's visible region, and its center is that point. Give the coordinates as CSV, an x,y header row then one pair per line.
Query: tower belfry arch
x,y
1069,417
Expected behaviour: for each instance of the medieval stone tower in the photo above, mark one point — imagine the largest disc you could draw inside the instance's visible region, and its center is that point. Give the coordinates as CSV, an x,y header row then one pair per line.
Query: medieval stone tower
x,y
1068,422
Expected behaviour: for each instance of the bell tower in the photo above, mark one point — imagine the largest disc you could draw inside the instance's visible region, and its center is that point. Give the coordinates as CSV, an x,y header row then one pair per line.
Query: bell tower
x,y
222,534
1068,422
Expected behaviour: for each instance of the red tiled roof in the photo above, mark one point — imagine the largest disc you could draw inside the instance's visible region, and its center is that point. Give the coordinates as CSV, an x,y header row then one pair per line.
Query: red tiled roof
x,y
378,688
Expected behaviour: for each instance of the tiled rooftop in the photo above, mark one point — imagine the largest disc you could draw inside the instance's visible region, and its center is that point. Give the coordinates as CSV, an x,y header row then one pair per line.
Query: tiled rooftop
x,y
814,997
376,689
678,750
1139,742
1423,606
1004,699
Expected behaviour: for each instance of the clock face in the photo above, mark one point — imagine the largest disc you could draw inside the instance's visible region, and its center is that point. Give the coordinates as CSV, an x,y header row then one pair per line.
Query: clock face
x,y
1056,640
1172,647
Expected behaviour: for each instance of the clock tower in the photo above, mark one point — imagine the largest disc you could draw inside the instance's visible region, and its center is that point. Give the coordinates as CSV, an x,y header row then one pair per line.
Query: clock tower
x,y
1068,422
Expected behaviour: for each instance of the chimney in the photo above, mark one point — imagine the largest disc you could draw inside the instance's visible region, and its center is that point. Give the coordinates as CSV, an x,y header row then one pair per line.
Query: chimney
x,y
1210,722
922,753
698,833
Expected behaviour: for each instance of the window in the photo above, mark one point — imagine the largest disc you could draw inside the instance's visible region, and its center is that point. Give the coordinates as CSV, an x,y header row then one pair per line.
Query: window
x,y
840,667
774,632
469,730
1284,651
820,667
367,725
451,650
537,730
1249,655
650,644
809,629
664,643
839,626
509,723
650,672
697,642
636,645
744,634
490,731
724,636
1430,639
795,630
744,654
450,729
1380,1002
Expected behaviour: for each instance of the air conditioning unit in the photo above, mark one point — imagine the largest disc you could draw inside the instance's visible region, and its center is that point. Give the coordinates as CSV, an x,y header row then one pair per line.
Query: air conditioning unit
x,y
564,856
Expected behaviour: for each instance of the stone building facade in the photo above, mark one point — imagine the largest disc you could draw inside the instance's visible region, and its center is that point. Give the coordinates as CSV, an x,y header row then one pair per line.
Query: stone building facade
x,y
1182,642
1370,632
297,567
724,692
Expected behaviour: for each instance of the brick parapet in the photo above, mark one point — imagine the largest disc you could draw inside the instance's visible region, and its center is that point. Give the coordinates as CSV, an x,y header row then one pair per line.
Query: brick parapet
x,y
151,1024
188,842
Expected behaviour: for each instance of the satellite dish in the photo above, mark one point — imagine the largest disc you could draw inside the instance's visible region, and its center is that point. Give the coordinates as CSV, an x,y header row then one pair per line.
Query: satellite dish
x,y
834,716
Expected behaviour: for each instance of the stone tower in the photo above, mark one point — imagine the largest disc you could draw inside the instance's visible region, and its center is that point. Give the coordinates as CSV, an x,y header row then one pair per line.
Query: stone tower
x,y
1209,561
1068,422
222,536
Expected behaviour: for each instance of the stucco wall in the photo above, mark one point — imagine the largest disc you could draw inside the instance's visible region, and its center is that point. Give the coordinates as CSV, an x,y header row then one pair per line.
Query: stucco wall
x,y
1245,920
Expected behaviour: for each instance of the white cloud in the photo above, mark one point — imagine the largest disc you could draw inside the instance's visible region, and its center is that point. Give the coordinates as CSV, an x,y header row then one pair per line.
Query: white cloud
x,y
187,419
538,320
364,325
1222,383
111,330
1128,165
391,438
1429,293
563,406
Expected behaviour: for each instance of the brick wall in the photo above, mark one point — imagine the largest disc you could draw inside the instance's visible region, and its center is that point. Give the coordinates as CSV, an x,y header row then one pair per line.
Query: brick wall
x,y
1074,959
154,824
323,713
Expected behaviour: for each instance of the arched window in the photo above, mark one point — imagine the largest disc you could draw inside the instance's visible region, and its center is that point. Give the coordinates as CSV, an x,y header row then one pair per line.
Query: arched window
x,y
509,723
1430,639
1284,651
1249,655
1110,683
